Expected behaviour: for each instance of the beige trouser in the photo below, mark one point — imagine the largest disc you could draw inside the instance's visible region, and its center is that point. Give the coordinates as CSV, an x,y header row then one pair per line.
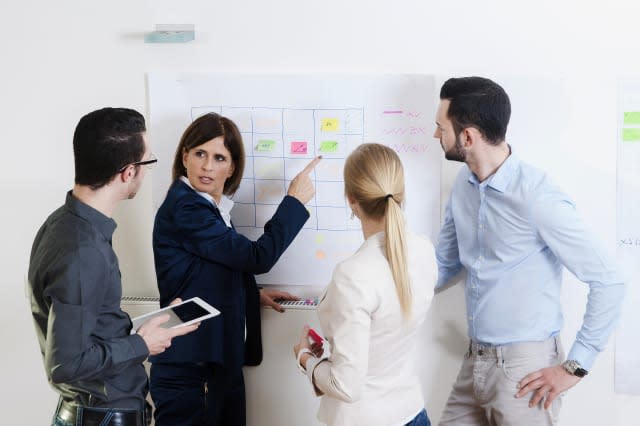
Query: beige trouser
x,y
484,391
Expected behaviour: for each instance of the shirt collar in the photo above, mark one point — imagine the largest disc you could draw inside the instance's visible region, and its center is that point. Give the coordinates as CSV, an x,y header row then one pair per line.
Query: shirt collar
x,y
105,225
377,239
501,178
225,205
504,174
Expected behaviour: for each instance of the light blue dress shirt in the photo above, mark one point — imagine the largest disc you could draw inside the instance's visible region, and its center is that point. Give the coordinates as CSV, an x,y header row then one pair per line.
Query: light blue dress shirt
x,y
513,233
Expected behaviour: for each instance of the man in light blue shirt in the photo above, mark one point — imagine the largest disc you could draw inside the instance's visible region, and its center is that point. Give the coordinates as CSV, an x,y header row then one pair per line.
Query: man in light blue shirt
x,y
513,230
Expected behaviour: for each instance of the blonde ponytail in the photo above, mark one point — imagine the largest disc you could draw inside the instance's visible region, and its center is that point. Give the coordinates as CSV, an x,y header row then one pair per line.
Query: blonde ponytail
x,y
374,178
395,250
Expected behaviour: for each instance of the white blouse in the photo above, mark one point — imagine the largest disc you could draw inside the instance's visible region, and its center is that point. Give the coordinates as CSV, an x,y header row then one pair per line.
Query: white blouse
x,y
371,377
225,205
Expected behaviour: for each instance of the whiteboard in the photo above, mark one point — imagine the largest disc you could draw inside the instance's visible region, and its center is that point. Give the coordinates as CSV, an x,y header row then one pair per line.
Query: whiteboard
x,y
627,362
286,120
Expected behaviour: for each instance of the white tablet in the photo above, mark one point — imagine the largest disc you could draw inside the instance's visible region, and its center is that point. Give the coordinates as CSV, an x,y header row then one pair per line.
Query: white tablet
x,y
187,312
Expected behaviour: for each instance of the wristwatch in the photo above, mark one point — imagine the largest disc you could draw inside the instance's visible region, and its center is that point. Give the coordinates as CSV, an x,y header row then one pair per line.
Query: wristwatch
x,y
574,368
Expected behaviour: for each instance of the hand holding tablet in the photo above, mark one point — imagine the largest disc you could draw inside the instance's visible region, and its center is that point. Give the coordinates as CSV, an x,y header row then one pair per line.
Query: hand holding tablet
x,y
184,313
158,328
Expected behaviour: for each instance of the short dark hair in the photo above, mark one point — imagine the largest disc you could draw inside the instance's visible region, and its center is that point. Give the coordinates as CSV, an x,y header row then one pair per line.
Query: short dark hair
x,y
202,130
104,142
480,103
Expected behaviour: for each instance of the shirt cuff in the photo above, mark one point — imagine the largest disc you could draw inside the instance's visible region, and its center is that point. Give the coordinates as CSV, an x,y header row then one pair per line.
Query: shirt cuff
x,y
310,366
139,346
583,355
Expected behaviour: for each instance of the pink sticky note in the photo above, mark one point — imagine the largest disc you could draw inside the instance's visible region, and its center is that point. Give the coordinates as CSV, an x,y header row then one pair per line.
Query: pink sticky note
x,y
299,147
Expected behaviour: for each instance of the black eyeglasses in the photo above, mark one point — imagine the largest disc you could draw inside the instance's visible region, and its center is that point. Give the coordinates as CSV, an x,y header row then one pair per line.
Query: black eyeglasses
x,y
149,163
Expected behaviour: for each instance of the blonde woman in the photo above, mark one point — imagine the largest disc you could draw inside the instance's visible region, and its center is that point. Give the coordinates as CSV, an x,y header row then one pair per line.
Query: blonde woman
x,y
373,306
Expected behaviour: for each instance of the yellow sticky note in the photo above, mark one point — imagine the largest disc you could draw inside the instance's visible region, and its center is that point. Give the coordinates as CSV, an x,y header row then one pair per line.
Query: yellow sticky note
x,y
265,145
319,239
631,134
328,146
632,117
329,124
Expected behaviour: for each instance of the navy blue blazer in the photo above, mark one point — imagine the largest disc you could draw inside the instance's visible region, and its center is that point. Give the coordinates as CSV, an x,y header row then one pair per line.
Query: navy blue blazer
x,y
196,254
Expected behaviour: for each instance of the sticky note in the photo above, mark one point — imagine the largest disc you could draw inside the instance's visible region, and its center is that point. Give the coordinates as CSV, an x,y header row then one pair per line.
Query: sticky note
x,y
265,145
328,146
320,255
319,239
631,134
329,124
298,147
632,117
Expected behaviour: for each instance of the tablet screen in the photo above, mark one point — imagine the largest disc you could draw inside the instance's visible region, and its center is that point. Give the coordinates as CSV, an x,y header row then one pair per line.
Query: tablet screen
x,y
189,311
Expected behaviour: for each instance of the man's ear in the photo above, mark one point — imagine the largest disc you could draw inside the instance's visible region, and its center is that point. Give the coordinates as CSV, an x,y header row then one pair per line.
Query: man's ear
x,y
127,174
470,135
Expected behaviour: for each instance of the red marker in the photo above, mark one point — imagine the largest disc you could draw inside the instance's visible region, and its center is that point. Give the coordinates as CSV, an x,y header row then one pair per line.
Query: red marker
x,y
315,336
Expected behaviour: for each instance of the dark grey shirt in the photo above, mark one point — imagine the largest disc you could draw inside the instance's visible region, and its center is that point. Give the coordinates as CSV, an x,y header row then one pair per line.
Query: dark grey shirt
x,y
89,355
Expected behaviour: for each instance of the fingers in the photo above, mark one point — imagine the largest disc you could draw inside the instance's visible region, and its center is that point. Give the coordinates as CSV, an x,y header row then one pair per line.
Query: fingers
x,y
181,331
283,295
529,387
303,342
271,302
546,384
317,350
309,167
276,306
538,396
304,337
270,297
550,398
527,384
175,301
301,186
155,321
266,299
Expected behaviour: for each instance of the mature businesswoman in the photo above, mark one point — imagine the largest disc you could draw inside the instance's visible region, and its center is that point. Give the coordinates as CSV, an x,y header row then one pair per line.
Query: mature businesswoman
x,y
372,308
198,381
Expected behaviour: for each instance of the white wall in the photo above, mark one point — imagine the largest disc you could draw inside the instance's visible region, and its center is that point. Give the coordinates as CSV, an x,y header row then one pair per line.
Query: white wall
x,y
559,60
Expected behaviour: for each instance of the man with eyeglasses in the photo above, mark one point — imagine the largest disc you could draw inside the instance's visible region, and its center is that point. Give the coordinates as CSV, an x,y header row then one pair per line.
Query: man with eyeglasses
x,y
90,357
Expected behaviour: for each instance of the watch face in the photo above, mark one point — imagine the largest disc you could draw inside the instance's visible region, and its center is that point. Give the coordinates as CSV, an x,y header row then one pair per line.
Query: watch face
x,y
580,372
573,367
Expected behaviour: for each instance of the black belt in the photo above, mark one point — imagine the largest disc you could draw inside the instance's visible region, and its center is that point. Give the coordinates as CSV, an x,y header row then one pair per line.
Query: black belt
x,y
98,416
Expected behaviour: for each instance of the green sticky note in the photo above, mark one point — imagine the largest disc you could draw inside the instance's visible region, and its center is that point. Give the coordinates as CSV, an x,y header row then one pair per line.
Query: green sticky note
x,y
632,117
631,134
328,146
265,145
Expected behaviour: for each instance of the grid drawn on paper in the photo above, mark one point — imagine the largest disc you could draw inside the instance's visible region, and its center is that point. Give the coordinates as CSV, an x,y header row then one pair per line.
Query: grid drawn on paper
x,y
278,143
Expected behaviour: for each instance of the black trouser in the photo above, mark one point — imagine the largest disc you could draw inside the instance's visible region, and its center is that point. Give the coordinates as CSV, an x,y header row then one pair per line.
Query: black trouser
x,y
197,394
